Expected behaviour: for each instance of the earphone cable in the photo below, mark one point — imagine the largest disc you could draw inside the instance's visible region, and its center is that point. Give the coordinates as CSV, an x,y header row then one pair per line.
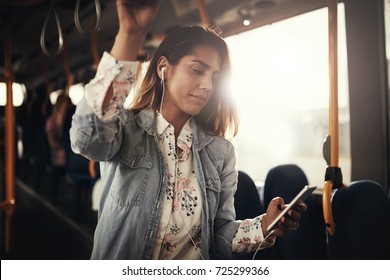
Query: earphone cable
x,y
189,235
261,243
163,94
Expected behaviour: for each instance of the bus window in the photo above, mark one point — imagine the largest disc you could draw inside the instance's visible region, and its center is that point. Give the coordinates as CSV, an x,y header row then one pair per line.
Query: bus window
x,y
387,30
18,91
280,82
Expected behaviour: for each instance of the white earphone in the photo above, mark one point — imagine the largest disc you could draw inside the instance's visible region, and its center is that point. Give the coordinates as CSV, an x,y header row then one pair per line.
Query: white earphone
x,y
163,69
163,73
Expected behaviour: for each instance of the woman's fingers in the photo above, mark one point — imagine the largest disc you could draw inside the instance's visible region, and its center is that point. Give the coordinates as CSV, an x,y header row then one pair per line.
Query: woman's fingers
x,y
136,16
274,208
301,207
291,220
293,217
135,19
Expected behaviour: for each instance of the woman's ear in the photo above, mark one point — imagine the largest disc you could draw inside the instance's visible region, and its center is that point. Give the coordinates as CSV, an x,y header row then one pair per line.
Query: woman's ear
x,y
162,68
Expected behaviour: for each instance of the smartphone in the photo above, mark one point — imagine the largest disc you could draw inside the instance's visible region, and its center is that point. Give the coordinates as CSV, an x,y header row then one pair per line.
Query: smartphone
x,y
302,195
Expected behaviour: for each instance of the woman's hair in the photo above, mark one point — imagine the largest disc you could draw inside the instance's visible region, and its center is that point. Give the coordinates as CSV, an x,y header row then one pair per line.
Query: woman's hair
x,y
219,116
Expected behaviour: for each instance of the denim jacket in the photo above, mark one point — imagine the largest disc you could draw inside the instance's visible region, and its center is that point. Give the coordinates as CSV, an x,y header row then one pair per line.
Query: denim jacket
x,y
135,180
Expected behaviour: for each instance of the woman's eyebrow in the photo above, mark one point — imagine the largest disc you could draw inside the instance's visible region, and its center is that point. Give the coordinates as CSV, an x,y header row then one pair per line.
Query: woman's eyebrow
x,y
204,64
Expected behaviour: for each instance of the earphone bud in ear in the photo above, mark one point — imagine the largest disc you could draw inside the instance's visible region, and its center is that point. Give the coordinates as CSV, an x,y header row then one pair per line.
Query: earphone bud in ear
x,y
163,73
163,69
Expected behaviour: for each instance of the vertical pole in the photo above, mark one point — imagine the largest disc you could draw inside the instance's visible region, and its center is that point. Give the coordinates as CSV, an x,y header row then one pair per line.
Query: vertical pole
x,y
333,75
9,141
202,12
333,115
49,88
94,49
65,60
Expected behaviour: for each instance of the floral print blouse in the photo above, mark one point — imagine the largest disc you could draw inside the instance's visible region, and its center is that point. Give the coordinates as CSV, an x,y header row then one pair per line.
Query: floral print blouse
x,y
179,229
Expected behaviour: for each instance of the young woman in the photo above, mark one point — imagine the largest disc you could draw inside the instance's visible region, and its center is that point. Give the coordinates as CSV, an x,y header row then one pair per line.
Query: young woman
x,y
168,172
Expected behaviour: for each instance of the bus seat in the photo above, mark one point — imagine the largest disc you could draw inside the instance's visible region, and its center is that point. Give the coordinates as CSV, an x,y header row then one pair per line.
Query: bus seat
x,y
309,240
247,204
284,181
361,213
246,199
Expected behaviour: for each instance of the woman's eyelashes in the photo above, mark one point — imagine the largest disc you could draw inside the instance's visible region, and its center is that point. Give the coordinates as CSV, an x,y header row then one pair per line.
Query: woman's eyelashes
x,y
198,71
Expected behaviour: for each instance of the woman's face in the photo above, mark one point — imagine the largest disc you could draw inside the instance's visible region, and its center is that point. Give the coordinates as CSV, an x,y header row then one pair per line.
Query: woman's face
x,y
191,83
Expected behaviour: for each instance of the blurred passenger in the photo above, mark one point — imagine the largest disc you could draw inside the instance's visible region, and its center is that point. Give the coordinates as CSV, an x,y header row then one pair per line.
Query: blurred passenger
x,y
36,155
54,133
77,172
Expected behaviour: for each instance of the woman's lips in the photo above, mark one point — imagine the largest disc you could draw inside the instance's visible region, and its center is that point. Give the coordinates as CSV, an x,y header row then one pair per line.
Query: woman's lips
x,y
200,98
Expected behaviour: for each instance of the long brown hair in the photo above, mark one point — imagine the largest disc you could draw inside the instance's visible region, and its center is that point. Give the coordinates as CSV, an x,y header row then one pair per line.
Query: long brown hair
x,y
219,116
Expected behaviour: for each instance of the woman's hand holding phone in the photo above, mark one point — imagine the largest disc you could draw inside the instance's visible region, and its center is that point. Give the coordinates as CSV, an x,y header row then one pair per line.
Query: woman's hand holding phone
x,y
281,218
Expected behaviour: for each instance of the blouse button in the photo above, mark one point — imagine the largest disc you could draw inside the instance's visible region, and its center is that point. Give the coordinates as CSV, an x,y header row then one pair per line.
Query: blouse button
x,y
115,71
209,221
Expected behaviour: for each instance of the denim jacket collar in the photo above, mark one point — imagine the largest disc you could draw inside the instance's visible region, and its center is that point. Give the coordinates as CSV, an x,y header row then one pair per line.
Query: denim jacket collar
x,y
147,120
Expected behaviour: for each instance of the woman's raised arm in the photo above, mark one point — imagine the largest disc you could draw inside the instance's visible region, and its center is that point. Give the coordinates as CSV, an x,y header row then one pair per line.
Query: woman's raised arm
x,y
135,18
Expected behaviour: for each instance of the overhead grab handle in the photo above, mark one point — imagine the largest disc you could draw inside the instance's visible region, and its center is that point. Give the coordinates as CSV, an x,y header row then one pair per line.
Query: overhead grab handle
x,y
43,33
98,22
